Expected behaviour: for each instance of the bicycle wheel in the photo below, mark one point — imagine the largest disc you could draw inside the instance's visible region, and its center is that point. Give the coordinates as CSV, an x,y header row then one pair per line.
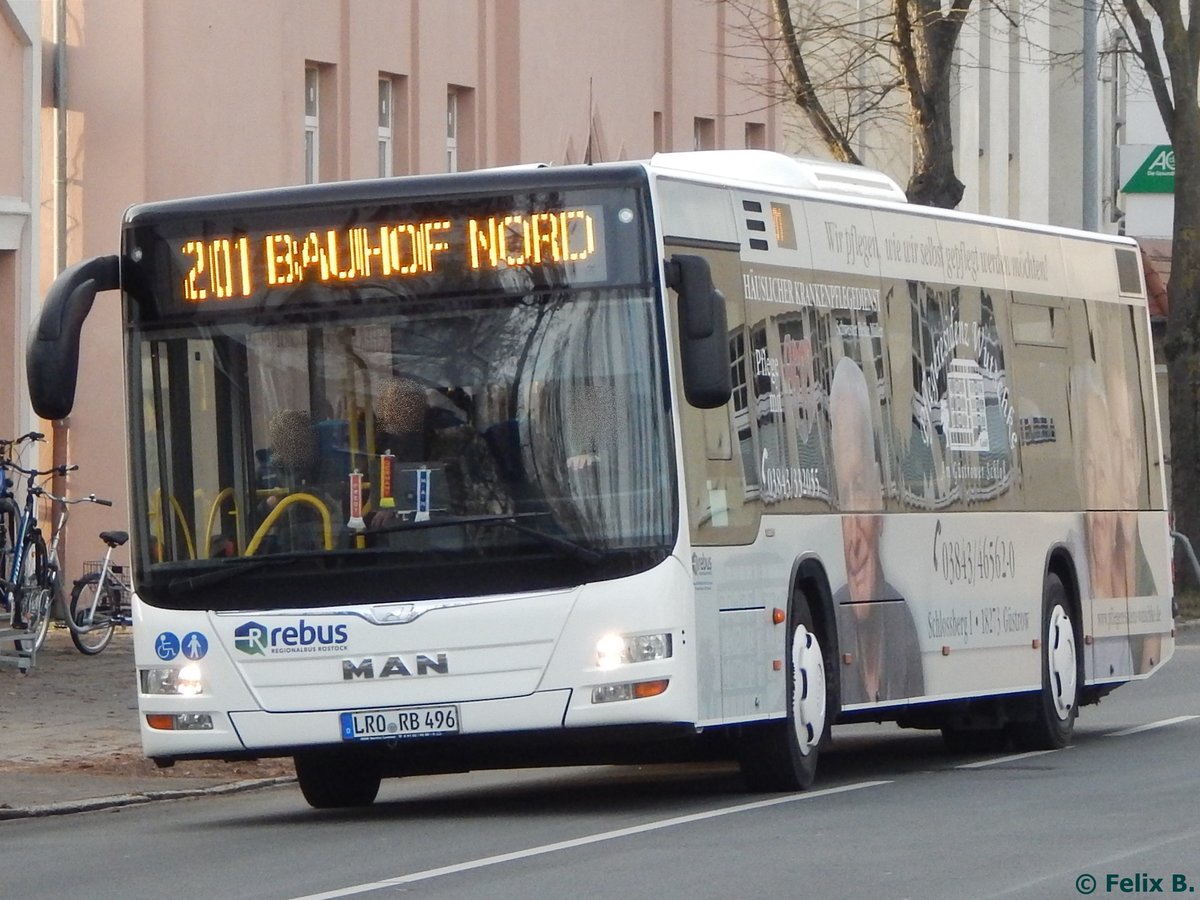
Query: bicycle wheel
x,y
35,595
91,615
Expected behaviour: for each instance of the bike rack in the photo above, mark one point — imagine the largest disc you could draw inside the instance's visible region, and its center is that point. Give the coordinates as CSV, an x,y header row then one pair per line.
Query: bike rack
x,y
11,640
12,648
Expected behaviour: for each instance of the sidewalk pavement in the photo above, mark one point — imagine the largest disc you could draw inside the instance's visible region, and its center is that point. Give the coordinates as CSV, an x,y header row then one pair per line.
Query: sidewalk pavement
x,y
69,738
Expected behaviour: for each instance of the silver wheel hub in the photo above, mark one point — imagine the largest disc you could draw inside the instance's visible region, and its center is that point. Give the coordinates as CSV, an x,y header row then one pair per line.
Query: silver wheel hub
x,y
808,694
1060,654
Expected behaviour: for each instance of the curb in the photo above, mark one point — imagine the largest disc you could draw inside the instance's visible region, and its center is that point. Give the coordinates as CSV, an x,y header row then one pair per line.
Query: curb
x,y
67,807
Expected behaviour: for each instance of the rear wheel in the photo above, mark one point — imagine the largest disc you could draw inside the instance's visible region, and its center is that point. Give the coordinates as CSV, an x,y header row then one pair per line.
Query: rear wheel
x,y
330,779
782,755
1057,704
92,622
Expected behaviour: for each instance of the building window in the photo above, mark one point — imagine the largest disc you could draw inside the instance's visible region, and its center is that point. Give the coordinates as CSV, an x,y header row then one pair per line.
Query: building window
x,y
386,135
312,124
756,136
452,131
704,134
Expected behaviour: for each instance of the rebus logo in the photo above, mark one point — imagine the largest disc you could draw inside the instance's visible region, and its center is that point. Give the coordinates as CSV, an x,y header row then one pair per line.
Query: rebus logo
x,y
250,638
253,638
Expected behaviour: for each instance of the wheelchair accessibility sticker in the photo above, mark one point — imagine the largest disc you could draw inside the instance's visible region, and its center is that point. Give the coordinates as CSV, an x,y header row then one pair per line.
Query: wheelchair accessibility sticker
x,y
166,645
193,645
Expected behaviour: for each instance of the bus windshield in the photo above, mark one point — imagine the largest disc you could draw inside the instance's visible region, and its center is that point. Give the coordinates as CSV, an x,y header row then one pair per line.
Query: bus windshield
x,y
453,448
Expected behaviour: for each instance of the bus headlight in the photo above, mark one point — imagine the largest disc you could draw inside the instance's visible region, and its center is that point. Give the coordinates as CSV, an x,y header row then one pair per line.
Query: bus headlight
x,y
613,650
186,681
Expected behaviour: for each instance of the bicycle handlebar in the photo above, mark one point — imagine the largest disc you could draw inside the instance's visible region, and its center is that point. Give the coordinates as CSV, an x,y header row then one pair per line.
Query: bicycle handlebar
x,y
90,498
32,436
38,473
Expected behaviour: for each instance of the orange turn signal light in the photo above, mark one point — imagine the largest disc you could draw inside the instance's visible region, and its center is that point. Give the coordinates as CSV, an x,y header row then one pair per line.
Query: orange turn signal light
x,y
650,688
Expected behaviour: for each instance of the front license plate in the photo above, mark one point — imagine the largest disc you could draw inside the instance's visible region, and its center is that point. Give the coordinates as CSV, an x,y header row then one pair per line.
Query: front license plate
x,y
418,721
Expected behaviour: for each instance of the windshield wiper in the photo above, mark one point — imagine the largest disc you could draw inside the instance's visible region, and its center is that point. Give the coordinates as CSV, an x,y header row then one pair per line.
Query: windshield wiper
x,y
574,548
232,568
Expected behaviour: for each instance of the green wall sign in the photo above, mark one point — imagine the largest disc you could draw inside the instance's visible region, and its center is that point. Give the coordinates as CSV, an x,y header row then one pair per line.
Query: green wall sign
x,y
1156,174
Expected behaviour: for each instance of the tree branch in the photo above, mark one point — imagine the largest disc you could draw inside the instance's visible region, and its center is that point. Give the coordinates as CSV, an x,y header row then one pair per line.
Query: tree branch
x,y
910,70
805,95
1146,50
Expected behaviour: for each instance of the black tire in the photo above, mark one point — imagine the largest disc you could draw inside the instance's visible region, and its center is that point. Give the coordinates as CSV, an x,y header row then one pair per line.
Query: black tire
x,y
781,755
92,629
35,596
1057,704
330,779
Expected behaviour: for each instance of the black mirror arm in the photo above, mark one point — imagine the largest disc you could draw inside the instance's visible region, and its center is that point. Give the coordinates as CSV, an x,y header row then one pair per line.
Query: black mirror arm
x,y
52,351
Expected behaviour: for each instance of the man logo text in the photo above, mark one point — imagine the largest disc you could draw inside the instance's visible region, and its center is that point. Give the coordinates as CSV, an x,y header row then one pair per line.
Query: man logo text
x,y
423,664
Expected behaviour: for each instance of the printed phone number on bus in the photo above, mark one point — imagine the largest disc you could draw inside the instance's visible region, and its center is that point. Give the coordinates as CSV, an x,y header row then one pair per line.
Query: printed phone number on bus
x,y
970,561
382,724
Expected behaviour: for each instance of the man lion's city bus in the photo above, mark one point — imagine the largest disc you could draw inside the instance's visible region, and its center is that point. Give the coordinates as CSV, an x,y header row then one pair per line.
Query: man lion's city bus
x,y
687,458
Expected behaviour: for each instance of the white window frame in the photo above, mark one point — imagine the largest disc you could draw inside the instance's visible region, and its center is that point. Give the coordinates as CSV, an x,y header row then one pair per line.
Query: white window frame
x,y
452,130
312,125
386,132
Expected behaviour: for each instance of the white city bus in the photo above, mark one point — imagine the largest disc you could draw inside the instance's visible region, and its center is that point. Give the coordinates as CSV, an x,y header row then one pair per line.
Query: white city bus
x,y
692,457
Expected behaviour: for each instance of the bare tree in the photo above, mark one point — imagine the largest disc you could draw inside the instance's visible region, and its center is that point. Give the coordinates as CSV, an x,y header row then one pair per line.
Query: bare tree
x,y
1173,70
842,68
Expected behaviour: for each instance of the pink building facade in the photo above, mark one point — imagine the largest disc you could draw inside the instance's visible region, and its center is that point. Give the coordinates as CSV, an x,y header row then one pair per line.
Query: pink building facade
x,y
107,105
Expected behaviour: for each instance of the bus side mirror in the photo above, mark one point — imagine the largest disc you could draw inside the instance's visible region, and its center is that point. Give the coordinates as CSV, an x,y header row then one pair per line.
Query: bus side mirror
x,y
703,332
52,351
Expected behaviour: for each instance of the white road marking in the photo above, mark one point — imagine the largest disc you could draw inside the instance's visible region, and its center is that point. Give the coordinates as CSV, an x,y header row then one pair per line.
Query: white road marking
x,y
584,841
1150,726
984,763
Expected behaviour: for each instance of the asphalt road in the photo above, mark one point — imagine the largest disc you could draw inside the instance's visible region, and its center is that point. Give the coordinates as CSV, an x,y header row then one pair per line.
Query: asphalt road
x,y
893,815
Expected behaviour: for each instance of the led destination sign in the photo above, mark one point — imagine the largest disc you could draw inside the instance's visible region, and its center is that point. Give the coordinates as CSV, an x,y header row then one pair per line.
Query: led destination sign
x,y
239,265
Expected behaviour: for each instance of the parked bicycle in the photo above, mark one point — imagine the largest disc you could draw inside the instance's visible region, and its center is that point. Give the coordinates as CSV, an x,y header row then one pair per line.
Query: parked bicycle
x,y
29,588
10,510
101,599
53,579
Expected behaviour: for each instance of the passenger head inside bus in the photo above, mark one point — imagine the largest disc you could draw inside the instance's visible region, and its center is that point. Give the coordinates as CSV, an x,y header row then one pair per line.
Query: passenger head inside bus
x,y
401,419
293,441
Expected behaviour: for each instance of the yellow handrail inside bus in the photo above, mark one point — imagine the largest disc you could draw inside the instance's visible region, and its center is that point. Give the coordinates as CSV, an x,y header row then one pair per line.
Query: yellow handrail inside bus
x,y
212,517
187,532
274,514
155,515
160,529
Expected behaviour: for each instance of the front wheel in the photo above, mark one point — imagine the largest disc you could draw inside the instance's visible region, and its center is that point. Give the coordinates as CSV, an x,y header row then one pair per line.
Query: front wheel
x,y
36,597
91,614
330,779
1057,704
37,615
782,755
